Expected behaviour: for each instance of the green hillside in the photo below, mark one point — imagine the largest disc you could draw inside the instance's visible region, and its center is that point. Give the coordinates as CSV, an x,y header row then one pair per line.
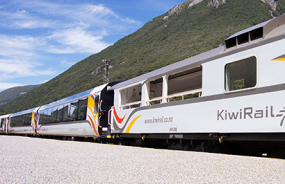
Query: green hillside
x,y
10,94
158,43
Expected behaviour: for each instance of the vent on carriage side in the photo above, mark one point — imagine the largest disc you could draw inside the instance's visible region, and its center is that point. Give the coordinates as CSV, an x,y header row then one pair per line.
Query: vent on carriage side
x,y
244,38
256,34
253,33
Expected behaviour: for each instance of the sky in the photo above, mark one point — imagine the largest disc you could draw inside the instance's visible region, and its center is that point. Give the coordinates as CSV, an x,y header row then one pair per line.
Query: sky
x,y
40,39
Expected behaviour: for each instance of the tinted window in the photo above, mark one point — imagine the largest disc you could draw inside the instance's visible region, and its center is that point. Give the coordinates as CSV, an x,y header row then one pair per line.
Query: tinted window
x,y
82,105
73,111
21,120
240,74
96,108
66,112
60,113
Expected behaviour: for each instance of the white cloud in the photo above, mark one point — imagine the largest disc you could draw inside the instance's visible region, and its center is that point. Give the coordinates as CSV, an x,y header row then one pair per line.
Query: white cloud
x,y
69,28
16,42
76,40
43,14
18,57
16,67
4,85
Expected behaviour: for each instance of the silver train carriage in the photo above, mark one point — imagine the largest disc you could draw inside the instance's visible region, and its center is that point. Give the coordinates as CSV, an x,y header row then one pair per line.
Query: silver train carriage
x,y
4,119
234,92
82,115
23,122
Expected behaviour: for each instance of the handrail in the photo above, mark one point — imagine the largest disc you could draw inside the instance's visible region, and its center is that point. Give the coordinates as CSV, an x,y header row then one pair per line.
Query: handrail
x,y
185,93
109,116
154,99
130,104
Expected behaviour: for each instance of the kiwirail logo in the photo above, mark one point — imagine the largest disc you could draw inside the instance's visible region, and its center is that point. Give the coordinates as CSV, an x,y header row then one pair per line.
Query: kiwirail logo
x,y
250,113
280,114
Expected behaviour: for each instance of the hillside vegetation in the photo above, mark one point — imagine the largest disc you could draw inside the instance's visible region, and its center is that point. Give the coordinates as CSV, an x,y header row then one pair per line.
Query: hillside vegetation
x,y
158,43
15,92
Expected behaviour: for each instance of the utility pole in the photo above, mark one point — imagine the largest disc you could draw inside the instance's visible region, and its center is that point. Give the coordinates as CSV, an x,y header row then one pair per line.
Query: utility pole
x,y
106,69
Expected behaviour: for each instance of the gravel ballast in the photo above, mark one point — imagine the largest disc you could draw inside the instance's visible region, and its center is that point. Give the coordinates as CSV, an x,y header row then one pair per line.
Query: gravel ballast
x,y
37,160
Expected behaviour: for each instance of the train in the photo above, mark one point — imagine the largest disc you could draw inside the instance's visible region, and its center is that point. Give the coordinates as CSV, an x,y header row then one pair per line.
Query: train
x,y
233,93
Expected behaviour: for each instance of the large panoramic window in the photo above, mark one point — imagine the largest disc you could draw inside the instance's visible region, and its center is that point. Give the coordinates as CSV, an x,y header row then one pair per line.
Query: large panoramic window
x,y
72,111
21,120
131,97
155,93
185,84
240,74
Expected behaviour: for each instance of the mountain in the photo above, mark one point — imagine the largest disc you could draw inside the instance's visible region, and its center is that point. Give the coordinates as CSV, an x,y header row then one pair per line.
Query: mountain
x,y
186,30
10,94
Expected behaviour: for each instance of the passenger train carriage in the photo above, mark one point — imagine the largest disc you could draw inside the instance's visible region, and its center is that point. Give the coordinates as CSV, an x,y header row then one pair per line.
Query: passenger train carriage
x,y
4,121
23,122
83,114
233,92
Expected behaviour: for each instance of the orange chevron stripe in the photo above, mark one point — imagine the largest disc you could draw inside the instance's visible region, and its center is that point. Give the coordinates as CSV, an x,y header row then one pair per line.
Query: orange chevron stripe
x,y
90,105
119,120
93,126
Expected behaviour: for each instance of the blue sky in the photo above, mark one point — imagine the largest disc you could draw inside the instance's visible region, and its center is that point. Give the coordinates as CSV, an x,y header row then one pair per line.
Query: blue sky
x,y
42,38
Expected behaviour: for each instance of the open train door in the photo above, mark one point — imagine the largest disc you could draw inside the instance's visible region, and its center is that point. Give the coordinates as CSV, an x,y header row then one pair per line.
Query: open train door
x,y
105,103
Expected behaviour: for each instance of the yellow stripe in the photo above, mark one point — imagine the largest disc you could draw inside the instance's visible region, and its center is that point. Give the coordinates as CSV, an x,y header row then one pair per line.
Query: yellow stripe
x,y
279,59
90,105
131,124
33,123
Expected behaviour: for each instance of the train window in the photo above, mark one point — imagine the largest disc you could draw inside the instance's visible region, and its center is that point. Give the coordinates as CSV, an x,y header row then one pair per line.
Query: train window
x,y
24,120
11,121
155,93
27,119
131,97
96,108
240,74
185,84
21,120
42,117
16,120
49,115
66,112
45,117
82,107
73,111
60,113
54,114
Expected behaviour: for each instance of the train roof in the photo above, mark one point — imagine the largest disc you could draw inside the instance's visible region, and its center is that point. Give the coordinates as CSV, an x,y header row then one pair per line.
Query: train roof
x,y
172,68
24,112
256,35
5,116
249,29
75,97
